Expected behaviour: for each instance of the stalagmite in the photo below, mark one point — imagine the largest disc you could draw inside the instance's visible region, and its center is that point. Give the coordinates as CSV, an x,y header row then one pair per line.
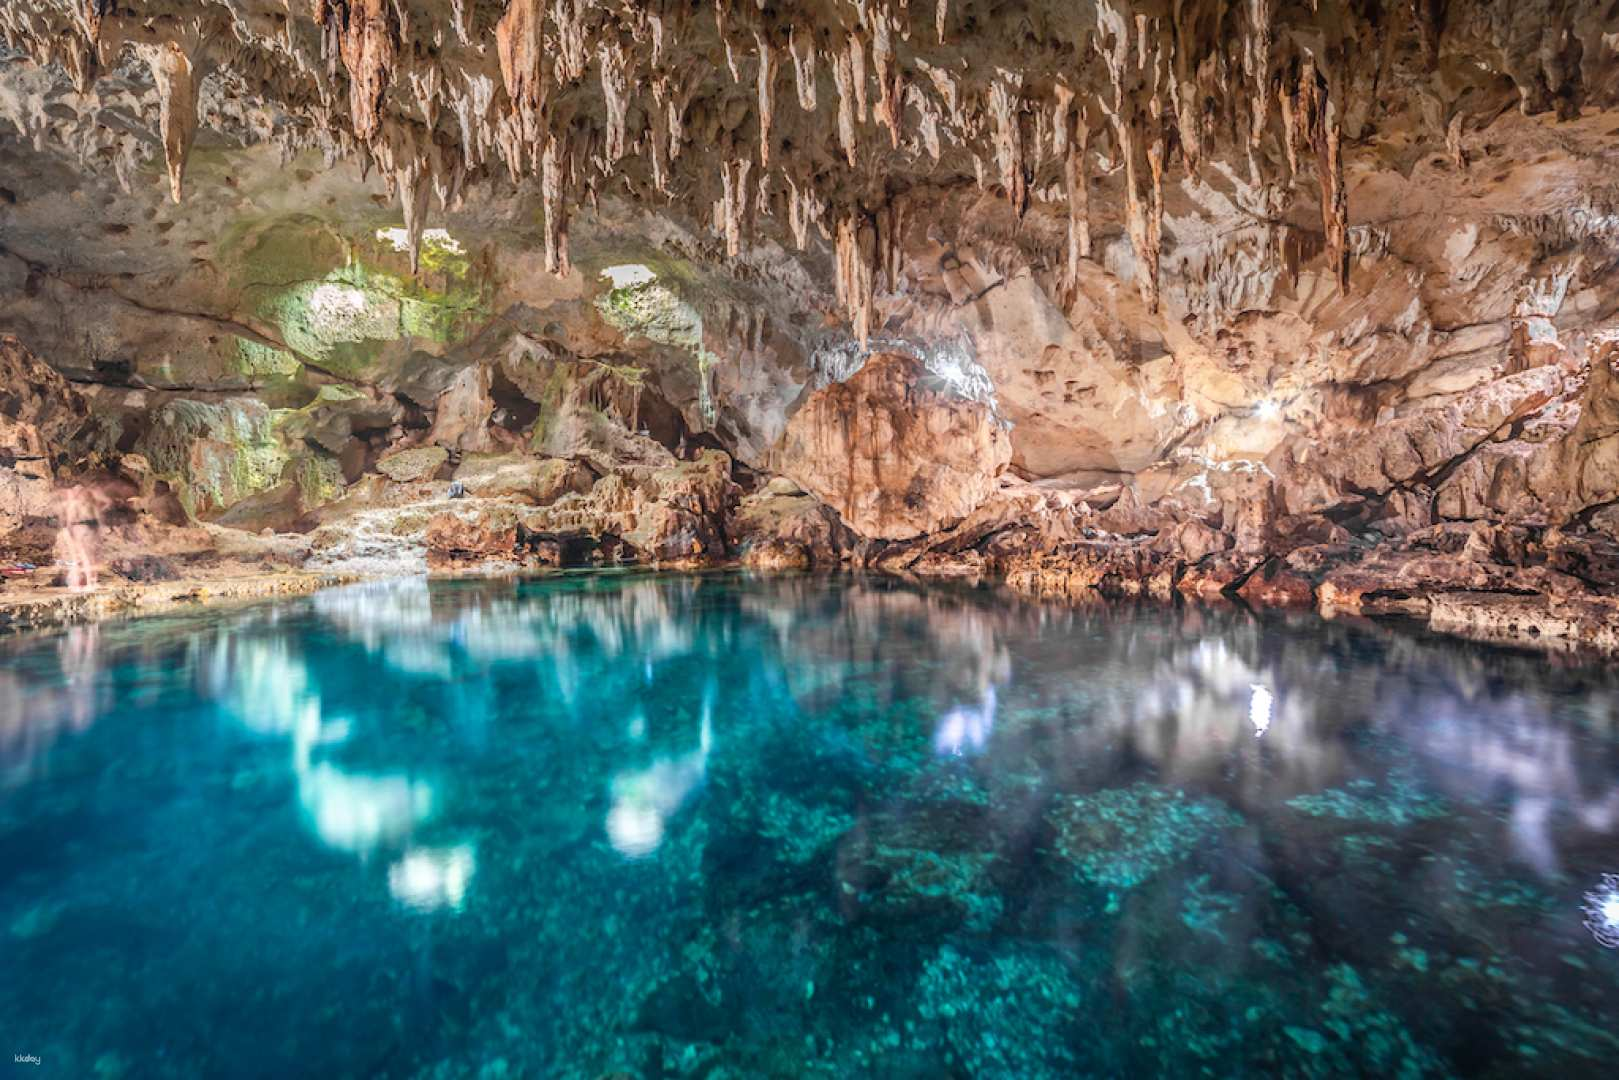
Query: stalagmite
x,y
803,68
768,63
177,80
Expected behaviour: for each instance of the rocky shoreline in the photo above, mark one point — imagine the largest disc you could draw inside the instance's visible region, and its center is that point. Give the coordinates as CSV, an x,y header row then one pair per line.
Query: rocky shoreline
x,y
1101,572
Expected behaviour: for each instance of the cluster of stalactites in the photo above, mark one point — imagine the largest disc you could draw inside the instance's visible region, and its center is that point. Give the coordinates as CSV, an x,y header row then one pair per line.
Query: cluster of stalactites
x,y
1165,75
590,95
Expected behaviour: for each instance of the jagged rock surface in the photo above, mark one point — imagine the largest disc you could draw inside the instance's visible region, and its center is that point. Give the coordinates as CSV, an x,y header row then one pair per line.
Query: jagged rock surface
x,y
1267,296
893,451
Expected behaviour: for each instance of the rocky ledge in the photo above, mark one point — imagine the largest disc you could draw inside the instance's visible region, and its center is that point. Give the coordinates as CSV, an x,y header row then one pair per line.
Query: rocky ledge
x,y
886,472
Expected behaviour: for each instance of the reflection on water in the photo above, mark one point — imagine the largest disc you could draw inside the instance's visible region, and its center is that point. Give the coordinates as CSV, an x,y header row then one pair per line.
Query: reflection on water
x,y
704,825
644,799
1602,911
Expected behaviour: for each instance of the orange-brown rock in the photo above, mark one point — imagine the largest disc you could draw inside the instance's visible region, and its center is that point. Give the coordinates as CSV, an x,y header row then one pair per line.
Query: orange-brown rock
x,y
482,531
894,451
669,514
782,526
1273,585
41,417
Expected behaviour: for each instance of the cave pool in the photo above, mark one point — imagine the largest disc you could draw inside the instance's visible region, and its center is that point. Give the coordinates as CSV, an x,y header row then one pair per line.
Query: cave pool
x,y
611,825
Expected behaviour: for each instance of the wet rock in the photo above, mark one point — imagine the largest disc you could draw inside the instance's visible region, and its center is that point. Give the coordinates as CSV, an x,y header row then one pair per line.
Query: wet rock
x,y
1275,586
1555,622
674,514
1216,576
46,433
279,509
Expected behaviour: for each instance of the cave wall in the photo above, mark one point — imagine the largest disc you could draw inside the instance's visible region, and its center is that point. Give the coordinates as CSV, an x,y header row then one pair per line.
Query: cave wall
x,y
1341,270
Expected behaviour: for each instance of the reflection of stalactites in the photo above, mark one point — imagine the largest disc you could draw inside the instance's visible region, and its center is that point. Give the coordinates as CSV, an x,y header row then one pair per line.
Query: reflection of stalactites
x,y
428,879
1601,911
964,728
358,813
1260,703
645,799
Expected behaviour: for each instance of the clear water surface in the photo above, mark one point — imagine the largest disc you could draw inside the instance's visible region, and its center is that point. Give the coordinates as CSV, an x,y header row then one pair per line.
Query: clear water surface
x,y
637,826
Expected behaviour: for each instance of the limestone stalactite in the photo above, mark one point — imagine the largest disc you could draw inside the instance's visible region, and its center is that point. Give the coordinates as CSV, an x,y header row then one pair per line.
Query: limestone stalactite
x,y
803,56
175,74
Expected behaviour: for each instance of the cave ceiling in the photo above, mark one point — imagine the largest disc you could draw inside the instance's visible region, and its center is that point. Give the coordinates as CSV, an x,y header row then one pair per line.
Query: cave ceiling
x,y
1142,216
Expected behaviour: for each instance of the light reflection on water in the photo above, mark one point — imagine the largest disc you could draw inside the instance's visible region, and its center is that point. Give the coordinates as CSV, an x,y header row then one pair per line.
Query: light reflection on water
x,y
672,800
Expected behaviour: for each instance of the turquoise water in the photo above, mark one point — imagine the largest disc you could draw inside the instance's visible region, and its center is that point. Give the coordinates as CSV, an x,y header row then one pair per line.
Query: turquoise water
x,y
635,826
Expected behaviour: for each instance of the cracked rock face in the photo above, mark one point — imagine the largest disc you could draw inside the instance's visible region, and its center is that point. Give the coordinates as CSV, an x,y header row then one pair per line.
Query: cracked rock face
x,y
1245,290
893,451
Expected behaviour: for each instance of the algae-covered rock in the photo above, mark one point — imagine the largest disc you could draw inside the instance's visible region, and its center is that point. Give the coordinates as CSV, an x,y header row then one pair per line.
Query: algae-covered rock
x,y
1004,1014
1397,801
413,466
1120,837
216,453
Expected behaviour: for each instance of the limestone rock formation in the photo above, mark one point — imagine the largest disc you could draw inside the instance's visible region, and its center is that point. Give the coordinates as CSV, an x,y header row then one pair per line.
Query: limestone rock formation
x,y
41,420
894,451
1267,301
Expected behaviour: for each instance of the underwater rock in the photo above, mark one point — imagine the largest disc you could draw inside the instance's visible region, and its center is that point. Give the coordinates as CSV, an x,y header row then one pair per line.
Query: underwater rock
x,y
1121,837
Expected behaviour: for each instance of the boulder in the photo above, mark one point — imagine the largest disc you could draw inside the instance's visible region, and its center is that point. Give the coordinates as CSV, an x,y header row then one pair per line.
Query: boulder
x,y
413,466
894,451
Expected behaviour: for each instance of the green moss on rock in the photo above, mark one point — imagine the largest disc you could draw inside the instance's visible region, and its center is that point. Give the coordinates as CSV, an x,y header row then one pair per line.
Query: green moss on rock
x,y
215,453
